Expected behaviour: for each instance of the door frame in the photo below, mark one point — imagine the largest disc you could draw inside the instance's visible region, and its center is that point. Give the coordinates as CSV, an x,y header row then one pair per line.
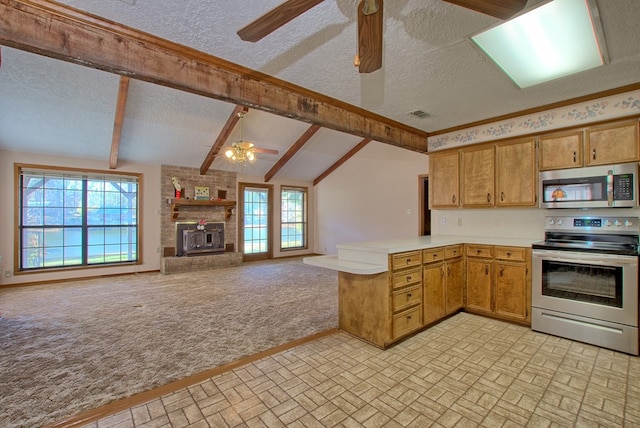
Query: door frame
x,y
424,206
269,253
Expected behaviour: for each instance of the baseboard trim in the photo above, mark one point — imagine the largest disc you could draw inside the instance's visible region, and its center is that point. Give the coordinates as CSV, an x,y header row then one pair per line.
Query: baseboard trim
x,y
146,396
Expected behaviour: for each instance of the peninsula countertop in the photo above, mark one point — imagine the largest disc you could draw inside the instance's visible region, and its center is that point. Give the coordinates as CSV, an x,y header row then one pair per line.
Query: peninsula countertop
x,y
371,257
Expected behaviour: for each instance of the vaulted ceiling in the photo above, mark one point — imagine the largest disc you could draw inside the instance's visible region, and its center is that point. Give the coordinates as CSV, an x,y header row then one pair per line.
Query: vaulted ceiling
x,y
48,105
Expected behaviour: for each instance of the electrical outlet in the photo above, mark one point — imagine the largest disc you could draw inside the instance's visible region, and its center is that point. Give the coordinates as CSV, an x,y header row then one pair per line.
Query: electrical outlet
x,y
7,274
443,221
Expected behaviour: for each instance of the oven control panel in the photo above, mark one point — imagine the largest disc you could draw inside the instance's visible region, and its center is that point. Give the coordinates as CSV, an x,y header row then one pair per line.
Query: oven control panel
x,y
602,224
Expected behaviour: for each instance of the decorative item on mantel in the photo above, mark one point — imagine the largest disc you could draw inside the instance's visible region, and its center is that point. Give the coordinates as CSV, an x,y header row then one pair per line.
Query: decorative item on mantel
x,y
202,224
201,193
177,187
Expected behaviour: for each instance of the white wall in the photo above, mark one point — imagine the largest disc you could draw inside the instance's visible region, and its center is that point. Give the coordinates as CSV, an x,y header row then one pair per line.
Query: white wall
x,y
368,198
150,239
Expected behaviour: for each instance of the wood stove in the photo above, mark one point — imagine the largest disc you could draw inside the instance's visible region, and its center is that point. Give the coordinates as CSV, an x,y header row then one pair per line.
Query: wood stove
x,y
195,238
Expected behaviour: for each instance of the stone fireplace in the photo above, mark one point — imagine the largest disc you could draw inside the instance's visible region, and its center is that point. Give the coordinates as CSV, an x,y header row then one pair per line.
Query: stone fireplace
x,y
185,247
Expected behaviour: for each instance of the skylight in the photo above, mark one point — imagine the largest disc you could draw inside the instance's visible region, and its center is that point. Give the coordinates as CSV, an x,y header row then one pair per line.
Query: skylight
x,y
554,40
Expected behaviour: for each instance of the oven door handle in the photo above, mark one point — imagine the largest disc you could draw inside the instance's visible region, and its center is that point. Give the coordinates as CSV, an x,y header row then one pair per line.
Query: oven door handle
x,y
600,259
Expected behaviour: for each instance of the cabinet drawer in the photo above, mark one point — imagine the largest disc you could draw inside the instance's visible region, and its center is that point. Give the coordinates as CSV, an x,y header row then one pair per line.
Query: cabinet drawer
x,y
407,321
452,251
400,279
433,255
517,254
476,250
403,260
407,297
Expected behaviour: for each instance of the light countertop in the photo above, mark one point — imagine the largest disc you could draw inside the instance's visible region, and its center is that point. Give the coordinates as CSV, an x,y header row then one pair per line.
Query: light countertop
x,y
368,258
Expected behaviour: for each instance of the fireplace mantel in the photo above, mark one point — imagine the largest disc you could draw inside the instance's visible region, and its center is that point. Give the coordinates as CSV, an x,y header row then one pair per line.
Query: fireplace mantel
x,y
178,204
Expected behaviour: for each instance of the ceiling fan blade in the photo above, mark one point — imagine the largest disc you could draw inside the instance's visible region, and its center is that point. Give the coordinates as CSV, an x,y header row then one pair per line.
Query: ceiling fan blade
x,y
503,9
275,18
269,151
369,37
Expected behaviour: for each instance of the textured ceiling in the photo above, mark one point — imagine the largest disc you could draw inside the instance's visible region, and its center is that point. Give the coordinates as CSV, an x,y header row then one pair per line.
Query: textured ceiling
x,y
428,64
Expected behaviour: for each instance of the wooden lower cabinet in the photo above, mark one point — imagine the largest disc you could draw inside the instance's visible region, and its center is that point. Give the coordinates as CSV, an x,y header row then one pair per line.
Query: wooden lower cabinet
x,y
423,287
442,278
499,282
383,308
479,277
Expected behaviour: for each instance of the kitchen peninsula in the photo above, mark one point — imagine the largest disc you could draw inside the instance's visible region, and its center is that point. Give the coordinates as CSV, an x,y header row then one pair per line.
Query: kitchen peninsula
x,y
388,290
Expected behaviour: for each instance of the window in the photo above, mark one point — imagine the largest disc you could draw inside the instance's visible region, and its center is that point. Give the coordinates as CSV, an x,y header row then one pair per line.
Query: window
x,y
74,218
293,218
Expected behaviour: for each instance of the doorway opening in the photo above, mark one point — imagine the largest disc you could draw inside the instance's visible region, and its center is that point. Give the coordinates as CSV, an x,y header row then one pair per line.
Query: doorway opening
x,y
254,221
425,211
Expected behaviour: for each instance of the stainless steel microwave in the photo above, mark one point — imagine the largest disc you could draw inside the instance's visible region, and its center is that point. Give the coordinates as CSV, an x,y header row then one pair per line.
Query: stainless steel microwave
x,y
590,187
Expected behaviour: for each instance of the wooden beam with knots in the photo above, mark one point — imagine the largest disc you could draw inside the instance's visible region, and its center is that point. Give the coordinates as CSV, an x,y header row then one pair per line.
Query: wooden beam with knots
x,y
121,105
342,160
304,138
59,31
222,138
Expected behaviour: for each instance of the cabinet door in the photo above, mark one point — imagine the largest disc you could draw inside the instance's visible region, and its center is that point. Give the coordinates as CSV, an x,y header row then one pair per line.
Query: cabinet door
x,y
454,281
511,290
561,150
479,279
433,292
516,174
478,177
444,182
612,143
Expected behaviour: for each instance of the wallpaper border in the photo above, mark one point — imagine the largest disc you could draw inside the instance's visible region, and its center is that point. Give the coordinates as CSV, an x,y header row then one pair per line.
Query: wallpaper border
x,y
612,107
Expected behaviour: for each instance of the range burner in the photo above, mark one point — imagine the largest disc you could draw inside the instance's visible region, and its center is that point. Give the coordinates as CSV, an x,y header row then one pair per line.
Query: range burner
x,y
607,235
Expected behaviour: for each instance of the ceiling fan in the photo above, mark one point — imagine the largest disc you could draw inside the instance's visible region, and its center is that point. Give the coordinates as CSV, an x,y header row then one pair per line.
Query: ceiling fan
x,y
369,53
242,151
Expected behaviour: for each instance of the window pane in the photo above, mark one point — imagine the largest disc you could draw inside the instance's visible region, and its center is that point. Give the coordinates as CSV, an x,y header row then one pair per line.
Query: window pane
x,y
57,229
293,218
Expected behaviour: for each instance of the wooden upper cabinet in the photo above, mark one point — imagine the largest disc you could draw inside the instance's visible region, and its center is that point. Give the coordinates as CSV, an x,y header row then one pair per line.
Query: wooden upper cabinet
x,y
561,150
477,172
612,143
516,173
444,180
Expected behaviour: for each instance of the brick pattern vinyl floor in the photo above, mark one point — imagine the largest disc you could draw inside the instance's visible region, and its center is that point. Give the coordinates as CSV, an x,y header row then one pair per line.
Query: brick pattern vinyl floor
x,y
467,371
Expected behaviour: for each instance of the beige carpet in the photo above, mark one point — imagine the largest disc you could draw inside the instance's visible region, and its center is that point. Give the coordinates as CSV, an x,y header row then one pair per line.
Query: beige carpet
x,y
69,347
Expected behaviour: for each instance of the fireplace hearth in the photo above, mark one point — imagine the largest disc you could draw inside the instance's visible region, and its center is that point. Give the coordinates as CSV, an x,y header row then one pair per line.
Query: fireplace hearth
x,y
193,238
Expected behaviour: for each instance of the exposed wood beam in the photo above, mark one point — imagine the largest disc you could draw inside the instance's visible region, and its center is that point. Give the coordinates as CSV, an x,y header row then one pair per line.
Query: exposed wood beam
x,y
503,9
121,105
291,152
275,18
342,160
61,32
222,138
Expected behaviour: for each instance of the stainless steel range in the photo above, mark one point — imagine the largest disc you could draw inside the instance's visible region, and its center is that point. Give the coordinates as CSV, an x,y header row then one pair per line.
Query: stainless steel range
x,y
585,281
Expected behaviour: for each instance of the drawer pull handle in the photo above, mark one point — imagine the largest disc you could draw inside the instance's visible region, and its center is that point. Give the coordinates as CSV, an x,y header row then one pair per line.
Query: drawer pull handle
x,y
486,269
478,251
501,271
408,294
409,278
435,256
575,157
594,154
408,317
408,260
508,253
